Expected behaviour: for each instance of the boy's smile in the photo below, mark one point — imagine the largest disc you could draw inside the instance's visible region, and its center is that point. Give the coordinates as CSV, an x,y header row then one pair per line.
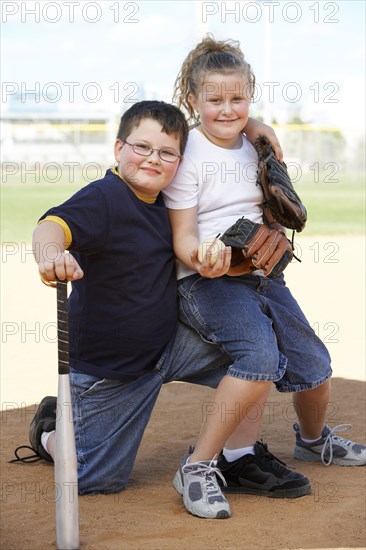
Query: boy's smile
x,y
147,175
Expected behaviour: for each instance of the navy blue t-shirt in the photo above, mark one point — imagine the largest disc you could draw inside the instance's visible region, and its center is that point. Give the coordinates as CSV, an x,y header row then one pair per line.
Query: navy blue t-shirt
x,y
123,312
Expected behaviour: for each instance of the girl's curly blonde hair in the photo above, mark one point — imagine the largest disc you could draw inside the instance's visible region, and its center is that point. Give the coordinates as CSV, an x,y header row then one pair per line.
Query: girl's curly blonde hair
x,y
209,56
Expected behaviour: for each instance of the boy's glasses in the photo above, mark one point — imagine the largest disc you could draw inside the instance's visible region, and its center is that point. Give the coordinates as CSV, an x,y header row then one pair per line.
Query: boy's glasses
x,y
145,151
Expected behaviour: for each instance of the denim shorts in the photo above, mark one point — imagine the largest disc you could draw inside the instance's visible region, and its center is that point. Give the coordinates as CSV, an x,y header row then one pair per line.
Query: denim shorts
x,y
110,416
258,322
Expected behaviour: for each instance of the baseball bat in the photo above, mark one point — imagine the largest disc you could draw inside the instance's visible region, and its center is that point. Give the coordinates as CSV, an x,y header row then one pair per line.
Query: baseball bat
x,y
66,476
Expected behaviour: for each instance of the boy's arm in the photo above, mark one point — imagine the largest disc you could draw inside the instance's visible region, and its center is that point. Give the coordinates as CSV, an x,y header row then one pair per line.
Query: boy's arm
x,y
185,243
255,128
49,253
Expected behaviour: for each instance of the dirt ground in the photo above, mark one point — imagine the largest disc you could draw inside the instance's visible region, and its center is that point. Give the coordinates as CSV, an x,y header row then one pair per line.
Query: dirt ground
x,y
150,514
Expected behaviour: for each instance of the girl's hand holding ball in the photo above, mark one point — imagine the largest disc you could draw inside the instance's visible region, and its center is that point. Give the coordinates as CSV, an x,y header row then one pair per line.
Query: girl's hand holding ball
x,y
211,246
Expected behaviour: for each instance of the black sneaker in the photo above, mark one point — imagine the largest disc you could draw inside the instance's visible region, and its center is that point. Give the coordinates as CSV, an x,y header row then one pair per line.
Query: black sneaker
x,y
43,421
262,474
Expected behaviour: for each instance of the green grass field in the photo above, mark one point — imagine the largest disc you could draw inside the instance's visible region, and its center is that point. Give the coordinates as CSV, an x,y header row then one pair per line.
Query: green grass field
x,y
332,208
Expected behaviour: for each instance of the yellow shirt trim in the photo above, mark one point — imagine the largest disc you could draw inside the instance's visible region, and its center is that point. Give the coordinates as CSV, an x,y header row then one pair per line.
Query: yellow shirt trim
x,y
63,224
148,200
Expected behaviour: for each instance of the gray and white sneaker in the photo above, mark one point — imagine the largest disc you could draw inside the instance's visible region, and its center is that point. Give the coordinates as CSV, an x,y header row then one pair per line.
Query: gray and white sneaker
x,y
330,448
197,484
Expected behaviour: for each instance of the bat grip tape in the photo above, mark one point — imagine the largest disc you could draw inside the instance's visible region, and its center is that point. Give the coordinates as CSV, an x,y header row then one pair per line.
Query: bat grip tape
x,y
62,328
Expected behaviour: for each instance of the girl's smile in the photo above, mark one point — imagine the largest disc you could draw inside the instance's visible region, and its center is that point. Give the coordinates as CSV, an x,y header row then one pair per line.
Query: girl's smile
x,y
223,107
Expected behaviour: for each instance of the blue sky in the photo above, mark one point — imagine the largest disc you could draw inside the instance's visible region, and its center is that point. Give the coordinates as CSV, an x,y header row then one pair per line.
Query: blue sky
x,y
312,52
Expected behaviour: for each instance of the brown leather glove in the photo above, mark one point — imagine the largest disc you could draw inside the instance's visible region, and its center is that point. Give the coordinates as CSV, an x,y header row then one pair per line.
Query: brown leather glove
x,y
256,246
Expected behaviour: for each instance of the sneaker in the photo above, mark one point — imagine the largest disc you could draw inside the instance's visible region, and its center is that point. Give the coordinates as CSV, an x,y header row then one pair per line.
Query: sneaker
x,y
262,474
43,421
197,484
331,448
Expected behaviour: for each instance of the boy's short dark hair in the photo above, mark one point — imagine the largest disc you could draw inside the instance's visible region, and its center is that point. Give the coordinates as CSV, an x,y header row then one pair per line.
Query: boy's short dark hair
x,y
170,117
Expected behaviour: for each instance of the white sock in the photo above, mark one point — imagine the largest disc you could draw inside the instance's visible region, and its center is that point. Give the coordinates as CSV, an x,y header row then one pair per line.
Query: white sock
x,y
234,454
188,461
44,438
309,440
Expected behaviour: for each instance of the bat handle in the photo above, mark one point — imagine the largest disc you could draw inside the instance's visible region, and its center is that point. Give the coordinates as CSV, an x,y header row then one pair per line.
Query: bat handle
x,y
62,328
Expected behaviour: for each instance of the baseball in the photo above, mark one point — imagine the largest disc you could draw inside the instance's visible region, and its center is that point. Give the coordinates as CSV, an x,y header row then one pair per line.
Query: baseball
x,y
213,245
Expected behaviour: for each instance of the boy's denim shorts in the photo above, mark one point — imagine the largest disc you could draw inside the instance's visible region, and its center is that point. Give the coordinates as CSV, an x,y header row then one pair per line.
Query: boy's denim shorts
x,y
110,416
258,322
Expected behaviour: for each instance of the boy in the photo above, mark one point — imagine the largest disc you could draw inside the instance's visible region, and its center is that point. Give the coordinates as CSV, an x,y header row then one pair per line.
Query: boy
x,y
125,341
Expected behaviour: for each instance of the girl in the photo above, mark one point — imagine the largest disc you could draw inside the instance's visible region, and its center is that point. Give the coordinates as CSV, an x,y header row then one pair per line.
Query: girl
x,y
255,319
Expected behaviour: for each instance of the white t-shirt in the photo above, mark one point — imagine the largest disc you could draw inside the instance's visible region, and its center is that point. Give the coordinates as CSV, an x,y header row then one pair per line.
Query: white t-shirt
x,y
220,182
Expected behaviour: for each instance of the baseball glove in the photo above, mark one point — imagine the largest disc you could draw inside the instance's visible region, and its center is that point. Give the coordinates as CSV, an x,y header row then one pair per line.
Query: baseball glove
x,y
256,246
281,202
